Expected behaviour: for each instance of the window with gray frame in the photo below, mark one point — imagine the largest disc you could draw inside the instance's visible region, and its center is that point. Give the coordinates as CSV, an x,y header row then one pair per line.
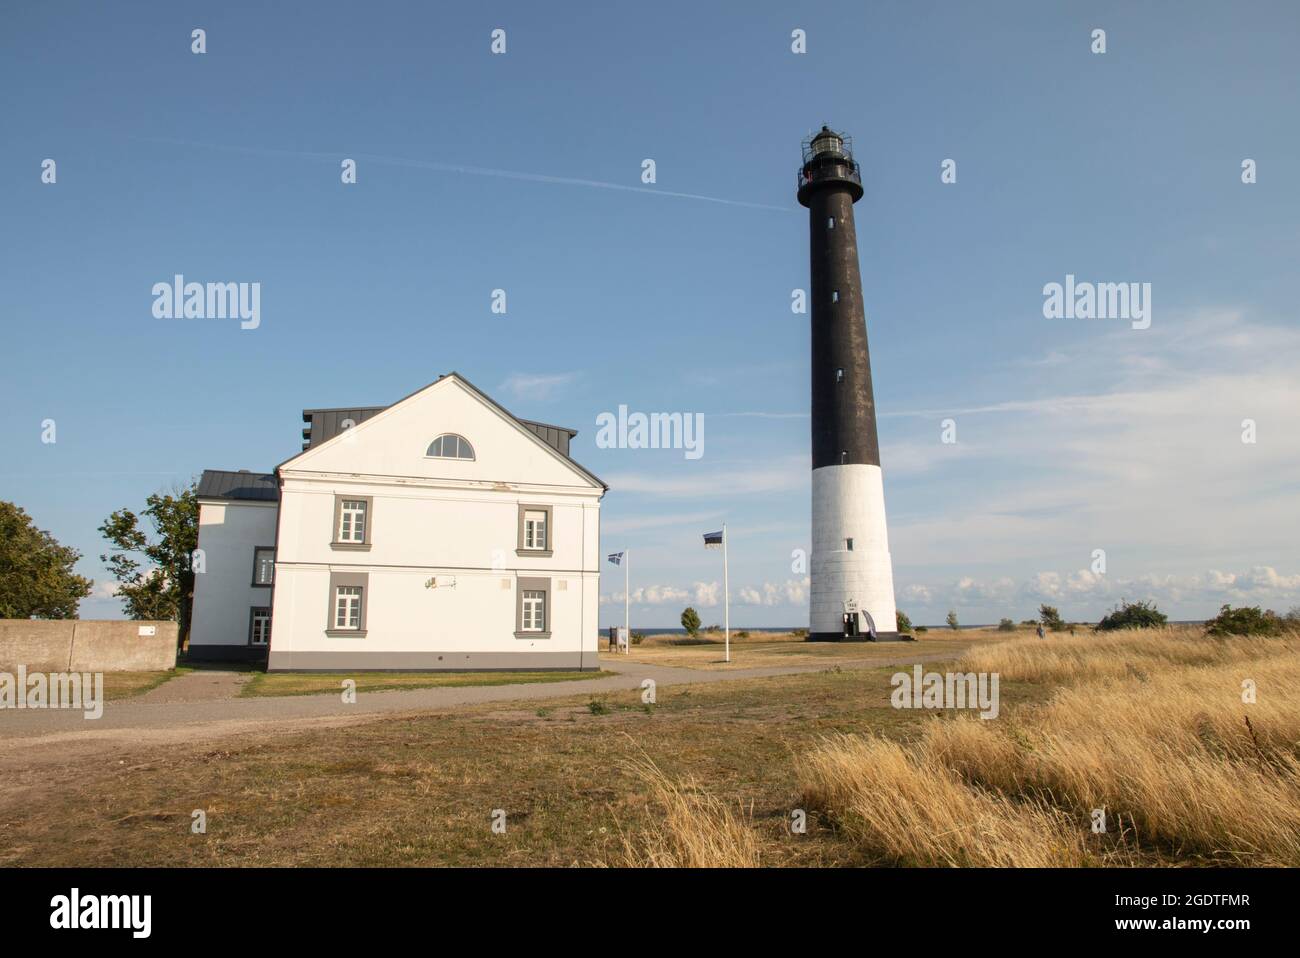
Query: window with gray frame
x,y
353,522
264,566
535,530
346,615
533,608
259,625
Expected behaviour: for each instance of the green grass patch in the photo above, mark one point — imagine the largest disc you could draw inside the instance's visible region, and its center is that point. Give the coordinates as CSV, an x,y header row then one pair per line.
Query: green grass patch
x,y
264,684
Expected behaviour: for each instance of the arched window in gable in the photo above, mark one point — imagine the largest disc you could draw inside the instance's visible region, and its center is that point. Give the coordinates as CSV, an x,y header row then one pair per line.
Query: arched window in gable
x,y
450,446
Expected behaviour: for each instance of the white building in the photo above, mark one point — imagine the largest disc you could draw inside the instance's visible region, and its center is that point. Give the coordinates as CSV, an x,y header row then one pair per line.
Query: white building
x,y
436,533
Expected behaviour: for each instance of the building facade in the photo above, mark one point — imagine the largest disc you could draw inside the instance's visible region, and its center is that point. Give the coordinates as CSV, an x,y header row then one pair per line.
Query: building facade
x,y
439,533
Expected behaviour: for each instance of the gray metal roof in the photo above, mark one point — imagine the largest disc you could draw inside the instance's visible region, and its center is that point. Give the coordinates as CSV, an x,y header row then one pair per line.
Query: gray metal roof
x,y
238,485
557,437
323,424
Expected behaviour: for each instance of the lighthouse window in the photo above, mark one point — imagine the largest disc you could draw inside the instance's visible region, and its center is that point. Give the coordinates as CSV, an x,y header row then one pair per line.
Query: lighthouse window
x,y
839,375
835,296
830,223
844,457
848,544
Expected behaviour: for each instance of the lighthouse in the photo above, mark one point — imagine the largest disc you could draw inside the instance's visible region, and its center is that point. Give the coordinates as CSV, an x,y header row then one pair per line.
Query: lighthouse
x,y
852,590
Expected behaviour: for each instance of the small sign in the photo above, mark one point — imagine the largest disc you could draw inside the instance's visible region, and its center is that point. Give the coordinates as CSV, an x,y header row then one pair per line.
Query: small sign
x,y
622,637
148,630
850,606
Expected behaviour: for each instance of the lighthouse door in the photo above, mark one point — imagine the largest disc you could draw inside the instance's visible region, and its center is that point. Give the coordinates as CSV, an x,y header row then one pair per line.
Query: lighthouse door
x,y
850,624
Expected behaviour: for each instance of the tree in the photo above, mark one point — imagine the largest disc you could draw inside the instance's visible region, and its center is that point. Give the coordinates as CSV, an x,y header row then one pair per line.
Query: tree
x,y
36,577
952,620
1248,620
1050,618
160,583
904,623
690,621
1006,625
1133,615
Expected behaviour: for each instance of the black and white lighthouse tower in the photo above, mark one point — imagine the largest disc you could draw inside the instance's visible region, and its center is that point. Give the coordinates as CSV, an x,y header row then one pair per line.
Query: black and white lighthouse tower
x,y
852,593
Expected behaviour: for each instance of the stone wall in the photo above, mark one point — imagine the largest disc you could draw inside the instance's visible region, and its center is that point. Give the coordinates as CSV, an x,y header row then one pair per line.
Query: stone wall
x,y
86,645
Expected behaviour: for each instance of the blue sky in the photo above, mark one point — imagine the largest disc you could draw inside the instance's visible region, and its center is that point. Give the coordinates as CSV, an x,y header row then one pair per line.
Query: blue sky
x,y
1072,435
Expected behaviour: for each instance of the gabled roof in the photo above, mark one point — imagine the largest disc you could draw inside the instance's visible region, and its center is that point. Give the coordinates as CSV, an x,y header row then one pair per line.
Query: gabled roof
x,y
555,438
325,424
240,485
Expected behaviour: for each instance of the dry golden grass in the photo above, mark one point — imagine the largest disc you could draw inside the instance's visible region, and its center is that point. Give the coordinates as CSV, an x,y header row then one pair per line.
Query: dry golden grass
x,y
785,649
126,685
904,808
1153,730
694,829
1061,658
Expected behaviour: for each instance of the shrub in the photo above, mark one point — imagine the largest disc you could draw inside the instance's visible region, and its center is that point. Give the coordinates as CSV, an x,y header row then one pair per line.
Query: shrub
x,y
690,621
1050,618
1006,625
921,628
799,633
637,637
742,634
1133,615
952,620
904,623
1248,620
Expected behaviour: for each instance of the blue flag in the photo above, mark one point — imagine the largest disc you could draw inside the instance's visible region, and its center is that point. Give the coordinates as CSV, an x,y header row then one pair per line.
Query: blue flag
x,y
712,539
616,558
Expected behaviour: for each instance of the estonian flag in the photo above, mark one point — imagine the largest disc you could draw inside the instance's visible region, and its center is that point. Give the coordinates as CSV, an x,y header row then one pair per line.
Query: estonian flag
x,y
713,540
616,558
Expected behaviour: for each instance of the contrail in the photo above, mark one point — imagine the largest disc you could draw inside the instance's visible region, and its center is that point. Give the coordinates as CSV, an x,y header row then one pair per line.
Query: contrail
x,y
469,170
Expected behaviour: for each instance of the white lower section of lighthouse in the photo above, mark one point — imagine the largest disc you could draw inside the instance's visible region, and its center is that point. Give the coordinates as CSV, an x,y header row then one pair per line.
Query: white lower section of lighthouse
x,y
850,565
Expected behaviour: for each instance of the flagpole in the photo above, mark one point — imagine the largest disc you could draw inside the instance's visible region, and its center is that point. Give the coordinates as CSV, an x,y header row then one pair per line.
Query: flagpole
x,y
627,600
726,596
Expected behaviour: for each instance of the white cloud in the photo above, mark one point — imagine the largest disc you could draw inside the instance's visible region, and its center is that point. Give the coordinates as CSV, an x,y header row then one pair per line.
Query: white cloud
x,y
708,593
790,592
1085,594
104,589
536,386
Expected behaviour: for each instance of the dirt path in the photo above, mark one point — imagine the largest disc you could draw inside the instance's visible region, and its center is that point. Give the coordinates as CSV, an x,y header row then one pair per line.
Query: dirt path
x,y
207,709
201,686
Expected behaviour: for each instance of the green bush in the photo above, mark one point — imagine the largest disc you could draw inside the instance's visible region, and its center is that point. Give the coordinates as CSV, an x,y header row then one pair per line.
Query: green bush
x,y
1133,615
800,633
1006,625
1248,620
904,623
690,621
